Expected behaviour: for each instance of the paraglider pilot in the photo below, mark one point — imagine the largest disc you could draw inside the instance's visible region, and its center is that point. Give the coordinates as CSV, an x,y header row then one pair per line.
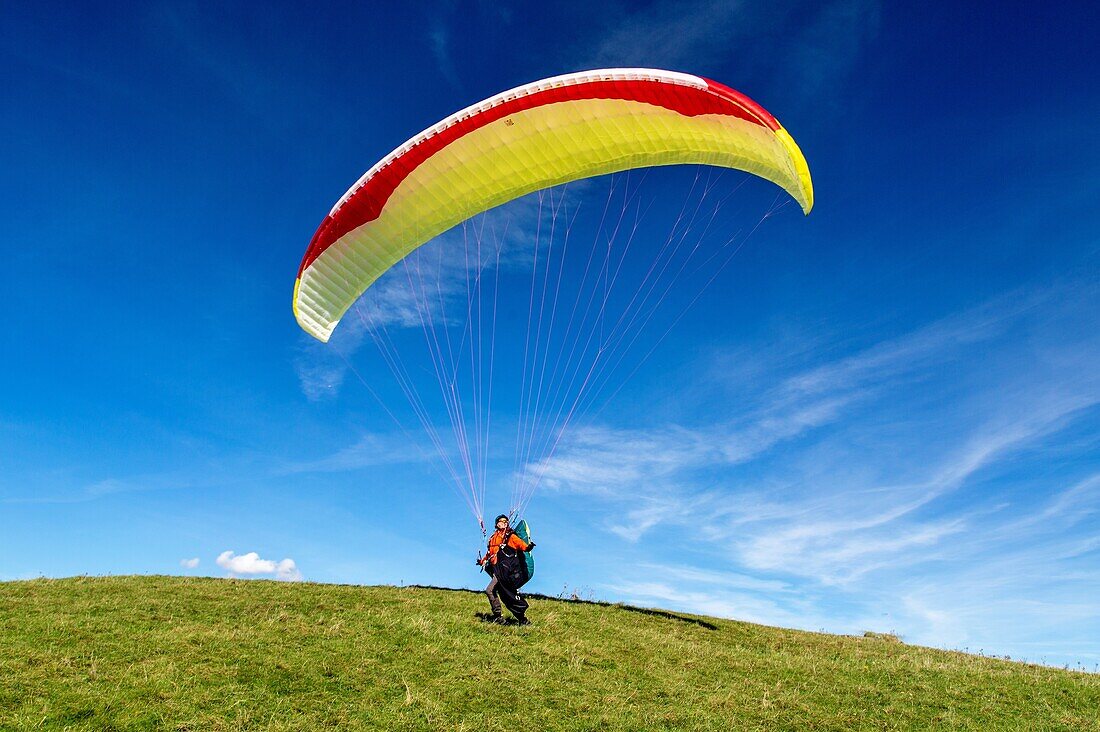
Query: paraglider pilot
x,y
503,555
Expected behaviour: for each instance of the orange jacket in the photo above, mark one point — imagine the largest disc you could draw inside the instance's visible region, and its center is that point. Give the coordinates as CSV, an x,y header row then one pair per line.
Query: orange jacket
x,y
497,539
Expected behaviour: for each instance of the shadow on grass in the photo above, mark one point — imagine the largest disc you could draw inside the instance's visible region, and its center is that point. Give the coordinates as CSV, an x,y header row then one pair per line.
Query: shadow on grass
x,y
667,615
486,617
490,620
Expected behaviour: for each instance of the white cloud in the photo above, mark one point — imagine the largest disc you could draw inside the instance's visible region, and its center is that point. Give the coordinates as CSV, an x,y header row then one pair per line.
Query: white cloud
x,y
189,563
694,594
369,450
874,465
252,564
320,373
671,35
906,360
812,46
714,578
600,459
825,50
429,288
432,282
245,564
1079,501
287,571
439,38
907,501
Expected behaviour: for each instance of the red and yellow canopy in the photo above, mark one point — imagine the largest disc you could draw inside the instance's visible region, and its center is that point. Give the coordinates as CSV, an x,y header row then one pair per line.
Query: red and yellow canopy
x,y
525,139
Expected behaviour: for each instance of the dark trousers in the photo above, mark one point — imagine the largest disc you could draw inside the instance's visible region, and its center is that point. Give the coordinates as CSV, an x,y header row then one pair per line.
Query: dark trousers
x,y
513,600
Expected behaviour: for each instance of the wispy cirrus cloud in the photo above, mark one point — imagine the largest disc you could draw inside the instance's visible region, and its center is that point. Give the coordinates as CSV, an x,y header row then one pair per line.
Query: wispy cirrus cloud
x,y
890,486
811,46
671,34
439,40
431,288
859,528
368,451
824,51
72,490
714,593
600,458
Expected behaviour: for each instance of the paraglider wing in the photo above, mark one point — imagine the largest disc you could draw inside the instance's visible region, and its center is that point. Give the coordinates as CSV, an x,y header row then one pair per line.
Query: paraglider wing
x,y
526,139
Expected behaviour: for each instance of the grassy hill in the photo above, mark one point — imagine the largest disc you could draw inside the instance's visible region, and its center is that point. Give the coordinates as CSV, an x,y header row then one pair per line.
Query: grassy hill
x,y
204,654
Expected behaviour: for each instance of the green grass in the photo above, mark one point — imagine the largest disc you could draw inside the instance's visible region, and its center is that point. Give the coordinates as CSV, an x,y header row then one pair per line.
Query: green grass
x,y
203,654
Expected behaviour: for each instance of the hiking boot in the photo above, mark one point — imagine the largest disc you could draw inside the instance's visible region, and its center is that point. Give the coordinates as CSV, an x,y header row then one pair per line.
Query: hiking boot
x,y
522,621
497,620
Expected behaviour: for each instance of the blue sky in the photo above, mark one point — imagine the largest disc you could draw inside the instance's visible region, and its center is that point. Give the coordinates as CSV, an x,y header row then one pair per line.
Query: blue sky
x,y
880,417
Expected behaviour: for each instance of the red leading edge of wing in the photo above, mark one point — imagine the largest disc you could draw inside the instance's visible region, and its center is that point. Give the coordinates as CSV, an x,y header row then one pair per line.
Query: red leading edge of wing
x,y
366,203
